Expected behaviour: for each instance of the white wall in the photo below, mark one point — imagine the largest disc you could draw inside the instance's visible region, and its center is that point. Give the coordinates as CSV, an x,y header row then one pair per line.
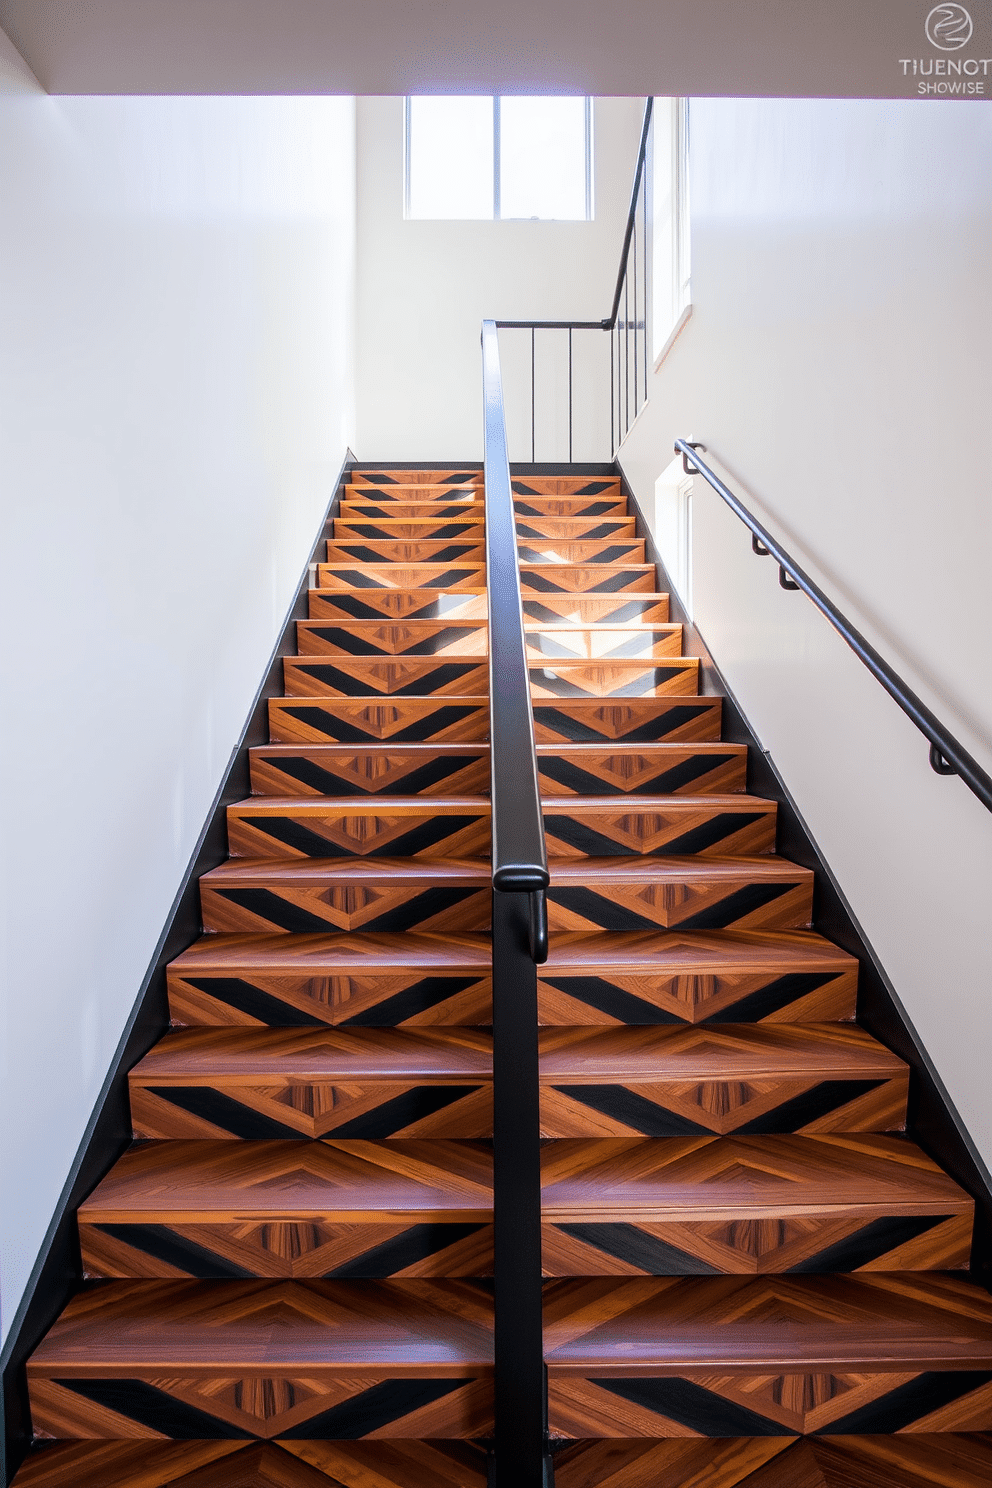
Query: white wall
x,y
837,367
176,390
425,287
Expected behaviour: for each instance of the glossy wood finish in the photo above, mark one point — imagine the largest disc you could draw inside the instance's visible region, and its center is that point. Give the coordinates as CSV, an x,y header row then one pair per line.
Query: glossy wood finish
x,y
741,1245
749,1204
750,1078
237,1464
335,1208
315,1359
918,1461
280,1082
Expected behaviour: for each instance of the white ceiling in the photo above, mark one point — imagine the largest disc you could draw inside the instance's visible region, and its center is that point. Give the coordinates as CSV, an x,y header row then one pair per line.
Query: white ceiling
x,y
833,48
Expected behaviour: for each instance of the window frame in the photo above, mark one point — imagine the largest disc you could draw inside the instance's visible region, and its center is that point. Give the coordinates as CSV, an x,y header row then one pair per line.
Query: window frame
x,y
497,216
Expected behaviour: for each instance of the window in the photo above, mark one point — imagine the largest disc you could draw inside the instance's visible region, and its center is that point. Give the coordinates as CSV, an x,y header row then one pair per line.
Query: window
x,y
670,222
495,159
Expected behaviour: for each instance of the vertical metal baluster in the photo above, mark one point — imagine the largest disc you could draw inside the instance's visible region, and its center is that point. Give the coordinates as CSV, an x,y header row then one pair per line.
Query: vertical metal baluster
x,y
613,397
626,352
533,402
570,395
647,296
633,243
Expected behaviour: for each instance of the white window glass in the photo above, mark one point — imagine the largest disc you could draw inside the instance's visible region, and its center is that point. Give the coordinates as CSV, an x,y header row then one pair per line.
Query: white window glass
x,y
449,161
544,158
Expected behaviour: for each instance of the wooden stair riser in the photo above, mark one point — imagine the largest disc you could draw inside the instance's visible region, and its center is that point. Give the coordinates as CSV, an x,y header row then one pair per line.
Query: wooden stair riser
x,y
349,605
255,1111
342,770
724,976
634,826
359,828
917,1460
461,720
467,527
463,770
681,895
536,528
661,676
427,638
370,676
541,553
467,639
666,1107
556,552
377,551
272,905
249,981
155,1404
240,1464
366,578
600,644
632,721
378,721
449,676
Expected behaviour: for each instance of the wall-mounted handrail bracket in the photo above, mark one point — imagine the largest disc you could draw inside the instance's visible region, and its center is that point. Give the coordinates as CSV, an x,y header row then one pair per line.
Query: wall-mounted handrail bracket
x,y
690,444
947,755
939,763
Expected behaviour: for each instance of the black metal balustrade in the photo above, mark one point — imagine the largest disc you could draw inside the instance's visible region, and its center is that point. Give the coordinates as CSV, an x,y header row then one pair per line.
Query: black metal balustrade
x,y
520,942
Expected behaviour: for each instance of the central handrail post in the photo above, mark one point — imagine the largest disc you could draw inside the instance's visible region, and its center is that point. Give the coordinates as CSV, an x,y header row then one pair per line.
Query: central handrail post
x,y
520,878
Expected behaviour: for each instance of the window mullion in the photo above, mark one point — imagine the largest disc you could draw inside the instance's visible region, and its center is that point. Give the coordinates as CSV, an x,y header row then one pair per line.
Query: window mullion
x,y
497,183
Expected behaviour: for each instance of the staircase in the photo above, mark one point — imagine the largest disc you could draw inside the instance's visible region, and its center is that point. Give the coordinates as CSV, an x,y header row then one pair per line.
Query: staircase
x,y
754,1277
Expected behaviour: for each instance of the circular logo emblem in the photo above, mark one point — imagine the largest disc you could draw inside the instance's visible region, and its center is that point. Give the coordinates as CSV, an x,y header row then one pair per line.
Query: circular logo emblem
x,y
949,27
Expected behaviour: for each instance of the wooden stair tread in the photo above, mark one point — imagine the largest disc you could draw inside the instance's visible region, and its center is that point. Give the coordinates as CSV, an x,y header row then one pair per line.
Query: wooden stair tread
x,y
289,1055
699,952
918,1460
317,872
659,1326
564,871
688,1179
331,954
200,1182
725,1052
318,1328
239,1464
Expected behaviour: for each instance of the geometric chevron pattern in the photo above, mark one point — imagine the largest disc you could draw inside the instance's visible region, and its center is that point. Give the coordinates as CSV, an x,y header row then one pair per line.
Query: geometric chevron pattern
x,y
704,1204
753,1275
730,1356
240,1464
260,1359
310,1083
918,1461
718,1079
335,1208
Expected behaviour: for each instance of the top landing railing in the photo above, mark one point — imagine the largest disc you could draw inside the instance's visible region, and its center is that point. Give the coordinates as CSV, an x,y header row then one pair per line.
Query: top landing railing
x,y
627,322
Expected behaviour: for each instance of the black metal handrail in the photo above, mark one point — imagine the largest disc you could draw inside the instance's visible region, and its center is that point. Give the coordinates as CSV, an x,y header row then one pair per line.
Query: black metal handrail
x,y
520,941
520,863
947,755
